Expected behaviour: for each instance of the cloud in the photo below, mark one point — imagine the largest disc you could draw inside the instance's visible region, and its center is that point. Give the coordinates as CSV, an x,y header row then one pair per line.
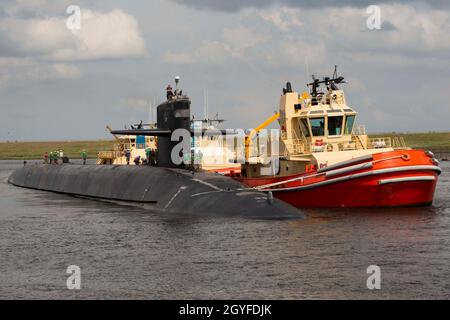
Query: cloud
x,y
16,71
65,71
235,43
179,57
297,53
28,8
240,39
237,5
110,35
137,103
405,29
284,18
282,38
207,53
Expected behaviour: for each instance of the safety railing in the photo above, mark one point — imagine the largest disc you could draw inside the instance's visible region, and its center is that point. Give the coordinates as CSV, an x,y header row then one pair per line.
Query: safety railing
x,y
109,155
359,130
297,147
387,142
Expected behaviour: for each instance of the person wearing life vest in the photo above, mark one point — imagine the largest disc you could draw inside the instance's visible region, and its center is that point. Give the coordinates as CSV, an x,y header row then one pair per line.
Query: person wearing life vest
x,y
55,157
84,156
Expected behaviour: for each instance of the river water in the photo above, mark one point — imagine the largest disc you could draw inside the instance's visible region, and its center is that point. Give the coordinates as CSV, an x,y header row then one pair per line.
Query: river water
x,y
129,253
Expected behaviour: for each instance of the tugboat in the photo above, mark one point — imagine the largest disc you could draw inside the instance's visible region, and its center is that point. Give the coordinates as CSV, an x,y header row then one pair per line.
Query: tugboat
x,y
326,160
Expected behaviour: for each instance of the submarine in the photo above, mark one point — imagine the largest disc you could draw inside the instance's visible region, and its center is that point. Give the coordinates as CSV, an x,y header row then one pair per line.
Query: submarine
x,y
167,187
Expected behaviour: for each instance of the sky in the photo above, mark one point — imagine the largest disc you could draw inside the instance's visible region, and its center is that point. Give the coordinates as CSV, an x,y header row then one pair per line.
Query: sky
x,y
60,83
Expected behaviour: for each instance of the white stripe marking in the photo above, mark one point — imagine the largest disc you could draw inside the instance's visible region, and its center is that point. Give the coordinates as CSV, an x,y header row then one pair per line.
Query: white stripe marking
x,y
358,175
174,196
407,179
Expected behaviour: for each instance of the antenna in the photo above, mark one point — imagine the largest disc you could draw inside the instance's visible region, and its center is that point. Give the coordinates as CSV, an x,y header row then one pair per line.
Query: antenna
x,y
306,67
205,106
155,117
150,110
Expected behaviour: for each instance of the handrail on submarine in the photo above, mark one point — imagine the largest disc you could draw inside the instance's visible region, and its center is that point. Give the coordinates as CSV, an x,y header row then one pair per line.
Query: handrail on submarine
x,y
164,132
143,132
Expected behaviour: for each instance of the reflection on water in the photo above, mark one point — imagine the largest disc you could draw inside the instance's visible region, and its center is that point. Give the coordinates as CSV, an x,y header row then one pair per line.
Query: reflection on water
x,y
127,252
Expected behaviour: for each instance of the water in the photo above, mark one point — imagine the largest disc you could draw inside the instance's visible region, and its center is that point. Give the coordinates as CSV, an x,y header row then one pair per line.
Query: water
x,y
126,252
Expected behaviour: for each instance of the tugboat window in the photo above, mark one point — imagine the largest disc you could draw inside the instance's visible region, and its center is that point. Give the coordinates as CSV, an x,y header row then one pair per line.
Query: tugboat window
x,y
304,127
317,126
349,124
335,126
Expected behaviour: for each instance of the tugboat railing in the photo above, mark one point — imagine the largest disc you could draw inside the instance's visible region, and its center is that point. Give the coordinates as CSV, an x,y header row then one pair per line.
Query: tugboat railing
x,y
297,147
387,142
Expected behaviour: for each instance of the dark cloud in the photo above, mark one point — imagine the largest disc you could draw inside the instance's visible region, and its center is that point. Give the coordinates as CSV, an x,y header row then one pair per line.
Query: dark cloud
x,y
388,26
237,5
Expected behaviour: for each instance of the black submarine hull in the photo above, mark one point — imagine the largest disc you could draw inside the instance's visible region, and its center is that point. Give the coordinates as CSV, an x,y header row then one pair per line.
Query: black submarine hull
x,y
166,189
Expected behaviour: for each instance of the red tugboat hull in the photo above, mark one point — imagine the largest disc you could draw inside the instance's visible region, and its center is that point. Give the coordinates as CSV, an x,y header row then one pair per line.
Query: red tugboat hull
x,y
389,179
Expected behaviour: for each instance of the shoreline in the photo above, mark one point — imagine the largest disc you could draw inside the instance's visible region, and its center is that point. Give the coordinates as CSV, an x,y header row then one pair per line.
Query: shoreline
x,y
18,150
35,150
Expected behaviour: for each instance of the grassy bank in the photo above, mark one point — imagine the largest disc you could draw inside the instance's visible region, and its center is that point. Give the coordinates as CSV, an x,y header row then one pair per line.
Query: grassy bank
x,y
428,140
35,150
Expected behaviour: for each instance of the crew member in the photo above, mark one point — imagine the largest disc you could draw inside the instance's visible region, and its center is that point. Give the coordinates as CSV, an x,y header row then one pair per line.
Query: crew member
x,y
148,154
153,157
169,91
84,156
46,157
199,157
128,156
137,160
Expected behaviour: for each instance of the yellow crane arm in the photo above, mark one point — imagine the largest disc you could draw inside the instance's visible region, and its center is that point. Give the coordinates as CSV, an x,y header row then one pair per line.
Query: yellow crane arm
x,y
110,131
249,137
